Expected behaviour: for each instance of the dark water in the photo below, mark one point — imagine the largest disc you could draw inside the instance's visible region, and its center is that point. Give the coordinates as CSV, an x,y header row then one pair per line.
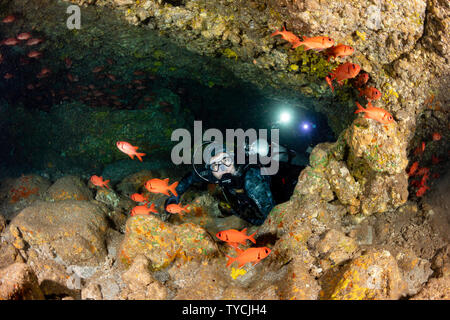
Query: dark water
x,y
69,119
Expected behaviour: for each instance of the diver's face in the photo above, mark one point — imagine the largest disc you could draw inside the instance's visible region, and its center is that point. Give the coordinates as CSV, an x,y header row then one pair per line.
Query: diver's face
x,y
221,164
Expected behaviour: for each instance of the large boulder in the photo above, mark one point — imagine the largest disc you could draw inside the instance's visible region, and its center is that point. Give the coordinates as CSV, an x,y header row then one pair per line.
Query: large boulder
x,y
18,193
377,147
75,230
373,275
162,243
18,282
68,188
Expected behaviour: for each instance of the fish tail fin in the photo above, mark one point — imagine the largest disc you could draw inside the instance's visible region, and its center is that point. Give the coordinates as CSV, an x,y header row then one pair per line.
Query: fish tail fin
x,y
185,208
328,80
275,33
297,44
106,184
230,260
251,237
360,108
172,188
140,155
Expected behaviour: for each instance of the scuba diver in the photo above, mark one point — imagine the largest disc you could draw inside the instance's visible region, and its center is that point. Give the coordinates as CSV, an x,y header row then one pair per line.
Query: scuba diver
x,y
248,194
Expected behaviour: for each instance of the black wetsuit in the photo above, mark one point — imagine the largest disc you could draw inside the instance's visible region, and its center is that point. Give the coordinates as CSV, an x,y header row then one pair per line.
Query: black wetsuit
x,y
247,192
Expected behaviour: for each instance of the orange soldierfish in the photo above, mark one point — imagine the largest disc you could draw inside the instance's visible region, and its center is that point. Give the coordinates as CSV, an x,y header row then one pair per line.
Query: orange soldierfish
x,y
254,255
235,236
33,41
177,208
315,43
138,197
143,210
288,36
341,50
375,113
361,80
34,54
370,93
420,149
24,36
161,186
10,41
98,181
422,191
345,71
9,19
130,150
413,168
437,136
423,171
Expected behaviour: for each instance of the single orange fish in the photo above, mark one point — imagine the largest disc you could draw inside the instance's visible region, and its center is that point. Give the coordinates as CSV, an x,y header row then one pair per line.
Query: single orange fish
x,y
413,168
97,69
98,181
345,71
34,54
422,191
361,80
423,171
143,210
437,136
287,35
315,43
8,76
254,255
161,186
34,41
177,208
235,236
68,62
9,19
420,149
130,150
375,113
341,50
370,93
10,41
138,197
24,36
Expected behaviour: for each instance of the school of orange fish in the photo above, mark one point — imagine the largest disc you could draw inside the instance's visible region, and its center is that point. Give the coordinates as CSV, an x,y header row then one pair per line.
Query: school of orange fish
x,y
110,90
233,237
343,72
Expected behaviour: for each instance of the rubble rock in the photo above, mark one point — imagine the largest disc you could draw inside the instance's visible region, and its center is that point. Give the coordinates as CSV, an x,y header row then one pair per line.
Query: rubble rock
x,y
141,284
18,282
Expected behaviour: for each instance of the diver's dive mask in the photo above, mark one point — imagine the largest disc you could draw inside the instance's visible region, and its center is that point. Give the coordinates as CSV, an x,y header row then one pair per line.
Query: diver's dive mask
x,y
222,164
